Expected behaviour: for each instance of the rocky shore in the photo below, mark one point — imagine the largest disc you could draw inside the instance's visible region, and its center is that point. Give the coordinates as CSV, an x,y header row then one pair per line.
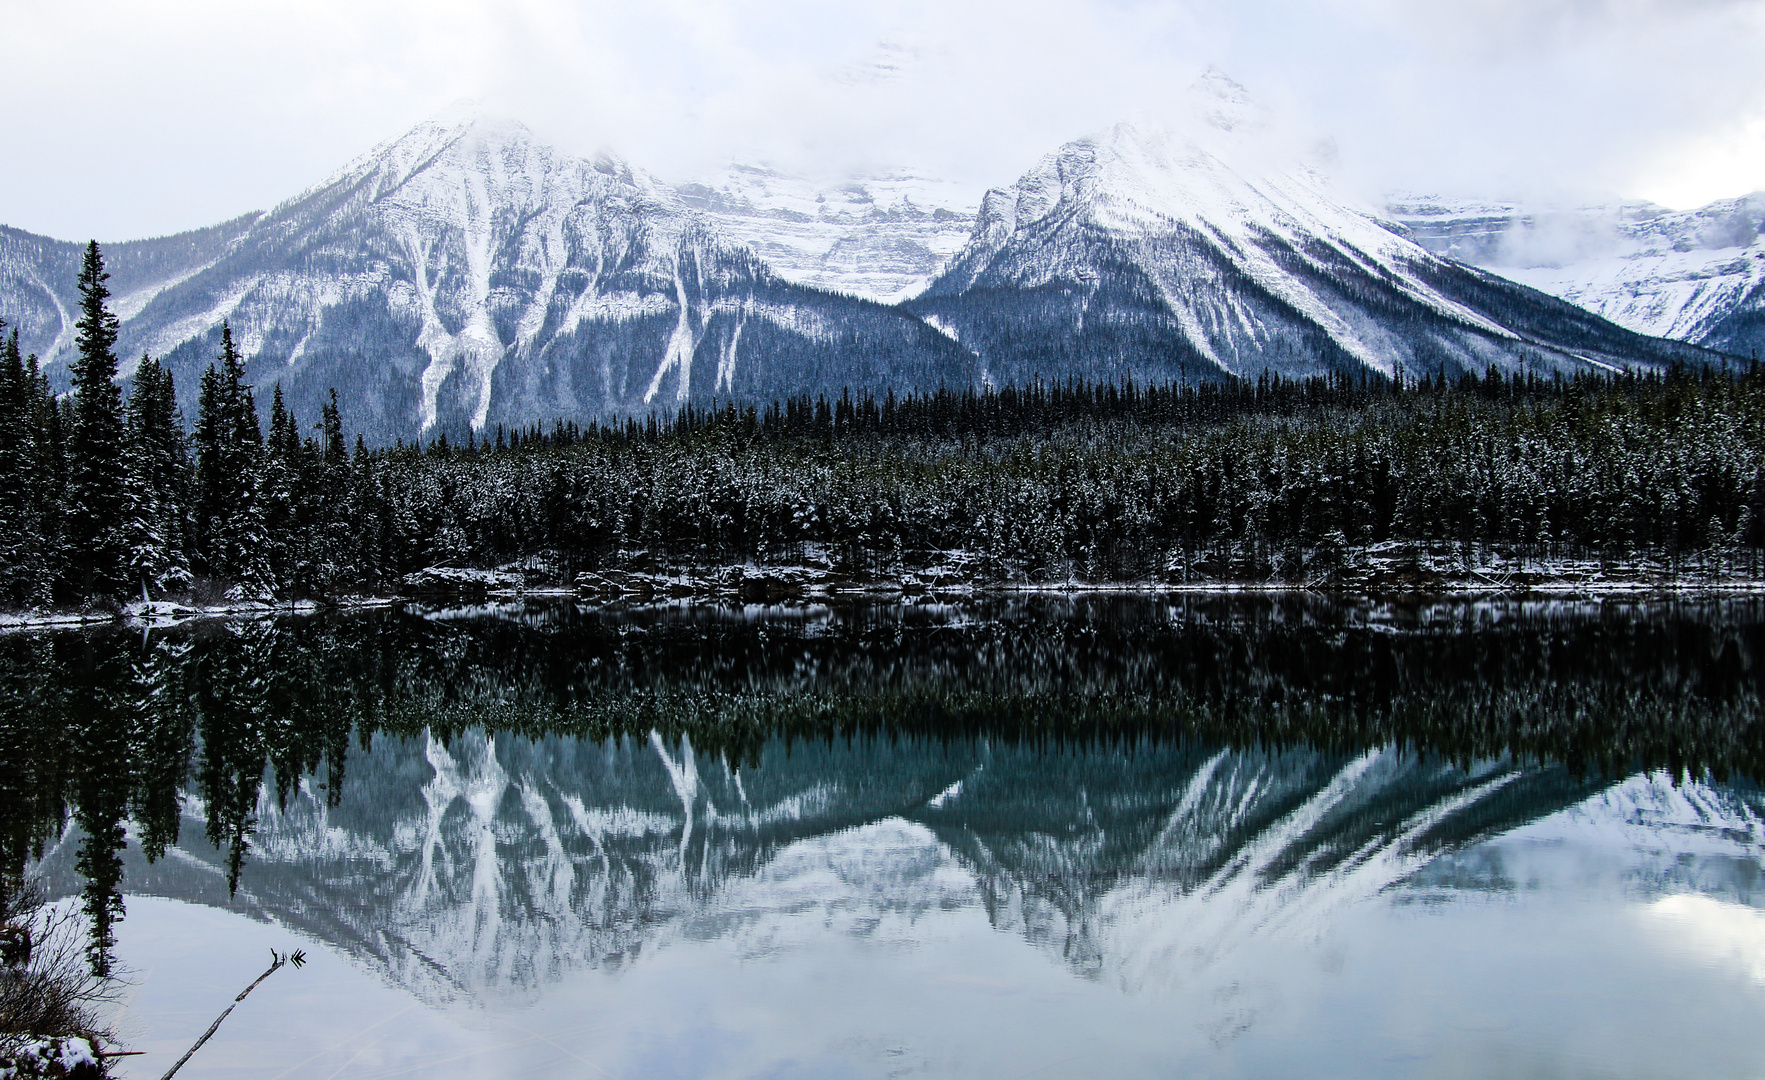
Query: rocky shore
x,y
1380,570
640,577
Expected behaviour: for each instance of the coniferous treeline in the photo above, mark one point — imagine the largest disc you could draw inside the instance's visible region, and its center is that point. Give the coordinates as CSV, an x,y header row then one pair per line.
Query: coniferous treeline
x,y
1249,481
103,500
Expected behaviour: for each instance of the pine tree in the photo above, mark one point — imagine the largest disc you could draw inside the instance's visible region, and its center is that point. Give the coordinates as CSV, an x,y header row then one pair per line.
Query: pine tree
x,y
155,522
52,419
297,499
96,469
329,485
228,511
20,508
279,464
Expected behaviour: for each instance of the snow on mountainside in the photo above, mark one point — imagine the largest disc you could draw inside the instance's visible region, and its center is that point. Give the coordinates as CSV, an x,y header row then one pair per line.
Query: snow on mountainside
x,y
1158,253
37,295
1695,275
466,274
879,237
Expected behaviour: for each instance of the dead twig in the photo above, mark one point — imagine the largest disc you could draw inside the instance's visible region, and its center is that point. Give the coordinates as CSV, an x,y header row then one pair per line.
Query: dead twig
x,y
276,961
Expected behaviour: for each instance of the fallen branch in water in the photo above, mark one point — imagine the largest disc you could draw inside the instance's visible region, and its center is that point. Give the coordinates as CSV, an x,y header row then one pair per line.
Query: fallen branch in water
x,y
297,958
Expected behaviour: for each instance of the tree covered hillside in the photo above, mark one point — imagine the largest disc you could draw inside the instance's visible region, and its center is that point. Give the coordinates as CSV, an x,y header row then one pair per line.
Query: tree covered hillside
x,y
1272,480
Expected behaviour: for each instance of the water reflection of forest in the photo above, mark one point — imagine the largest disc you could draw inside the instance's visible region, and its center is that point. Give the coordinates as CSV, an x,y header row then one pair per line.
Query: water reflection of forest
x,y
658,711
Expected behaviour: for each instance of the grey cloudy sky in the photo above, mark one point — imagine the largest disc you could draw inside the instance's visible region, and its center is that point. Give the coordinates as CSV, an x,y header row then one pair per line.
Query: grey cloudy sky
x,y
126,119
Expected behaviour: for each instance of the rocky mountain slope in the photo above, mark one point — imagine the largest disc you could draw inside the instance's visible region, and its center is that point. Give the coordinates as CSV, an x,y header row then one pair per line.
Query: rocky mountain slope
x,y
37,295
1695,275
1160,254
882,238
466,275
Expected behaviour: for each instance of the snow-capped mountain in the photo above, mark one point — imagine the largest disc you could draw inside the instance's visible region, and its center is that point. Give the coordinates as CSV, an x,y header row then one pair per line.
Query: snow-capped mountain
x,y
467,274
1694,275
1161,253
881,237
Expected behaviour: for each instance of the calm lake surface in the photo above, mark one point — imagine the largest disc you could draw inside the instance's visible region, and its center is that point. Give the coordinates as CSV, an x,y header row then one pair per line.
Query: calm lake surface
x,y
1103,837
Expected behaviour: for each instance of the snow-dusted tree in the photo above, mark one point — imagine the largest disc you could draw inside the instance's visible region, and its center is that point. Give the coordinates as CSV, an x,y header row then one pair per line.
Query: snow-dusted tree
x,y
156,516
97,471
331,485
279,486
25,574
231,538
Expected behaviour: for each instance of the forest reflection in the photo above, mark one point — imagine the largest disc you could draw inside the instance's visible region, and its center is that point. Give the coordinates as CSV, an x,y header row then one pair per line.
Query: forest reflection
x,y
1417,727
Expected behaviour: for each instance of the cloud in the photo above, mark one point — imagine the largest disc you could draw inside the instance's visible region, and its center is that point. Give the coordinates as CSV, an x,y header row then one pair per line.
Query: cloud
x,y
1530,98
128,119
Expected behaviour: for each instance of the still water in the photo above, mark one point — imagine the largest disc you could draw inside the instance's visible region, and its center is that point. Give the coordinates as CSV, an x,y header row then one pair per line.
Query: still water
x,y
1038,838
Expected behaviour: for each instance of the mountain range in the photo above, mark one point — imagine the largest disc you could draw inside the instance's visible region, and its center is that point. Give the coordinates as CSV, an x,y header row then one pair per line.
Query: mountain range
x,y
882,238
1148,255
1693,275
466,275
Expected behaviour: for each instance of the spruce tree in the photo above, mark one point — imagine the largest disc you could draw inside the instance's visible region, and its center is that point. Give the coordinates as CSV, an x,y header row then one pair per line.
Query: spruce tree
x,y
20,516
336,454
336,543
96,470
51,419
228,510
155,522
280,492
212,448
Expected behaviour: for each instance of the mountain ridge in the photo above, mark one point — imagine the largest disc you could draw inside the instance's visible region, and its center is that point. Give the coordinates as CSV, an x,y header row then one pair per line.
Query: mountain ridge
x,y
882,237
1152,254
1693,275
459,277
466,275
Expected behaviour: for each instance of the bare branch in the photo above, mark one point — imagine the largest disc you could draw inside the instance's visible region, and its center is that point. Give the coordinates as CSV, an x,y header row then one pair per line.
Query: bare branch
x,y
298,958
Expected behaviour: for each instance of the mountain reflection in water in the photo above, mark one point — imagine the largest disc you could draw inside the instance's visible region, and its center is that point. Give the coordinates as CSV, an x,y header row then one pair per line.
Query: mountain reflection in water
x,y
478,803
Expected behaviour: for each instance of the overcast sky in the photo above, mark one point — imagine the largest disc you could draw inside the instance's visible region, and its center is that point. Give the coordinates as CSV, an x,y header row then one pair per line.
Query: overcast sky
x,y
126,119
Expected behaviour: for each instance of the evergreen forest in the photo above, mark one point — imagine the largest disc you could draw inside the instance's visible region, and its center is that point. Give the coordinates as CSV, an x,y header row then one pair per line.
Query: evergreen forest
x,y
107,499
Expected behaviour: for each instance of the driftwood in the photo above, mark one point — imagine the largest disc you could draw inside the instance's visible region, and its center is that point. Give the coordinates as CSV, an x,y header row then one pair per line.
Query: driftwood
x,y
276,961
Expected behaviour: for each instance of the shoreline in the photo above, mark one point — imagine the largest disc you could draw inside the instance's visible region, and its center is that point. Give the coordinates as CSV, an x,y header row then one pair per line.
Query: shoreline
x,y
172,613
161,614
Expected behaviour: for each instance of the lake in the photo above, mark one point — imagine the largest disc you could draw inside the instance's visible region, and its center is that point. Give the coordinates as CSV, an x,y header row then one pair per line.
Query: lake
x,y
1021,837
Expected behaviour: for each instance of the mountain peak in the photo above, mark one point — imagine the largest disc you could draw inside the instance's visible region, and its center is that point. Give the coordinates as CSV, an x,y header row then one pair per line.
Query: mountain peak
x,y
1149,175
1165,253
879,235
1223,103
460,112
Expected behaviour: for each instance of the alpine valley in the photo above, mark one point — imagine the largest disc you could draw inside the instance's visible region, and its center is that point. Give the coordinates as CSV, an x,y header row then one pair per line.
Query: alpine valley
x,y
466,275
